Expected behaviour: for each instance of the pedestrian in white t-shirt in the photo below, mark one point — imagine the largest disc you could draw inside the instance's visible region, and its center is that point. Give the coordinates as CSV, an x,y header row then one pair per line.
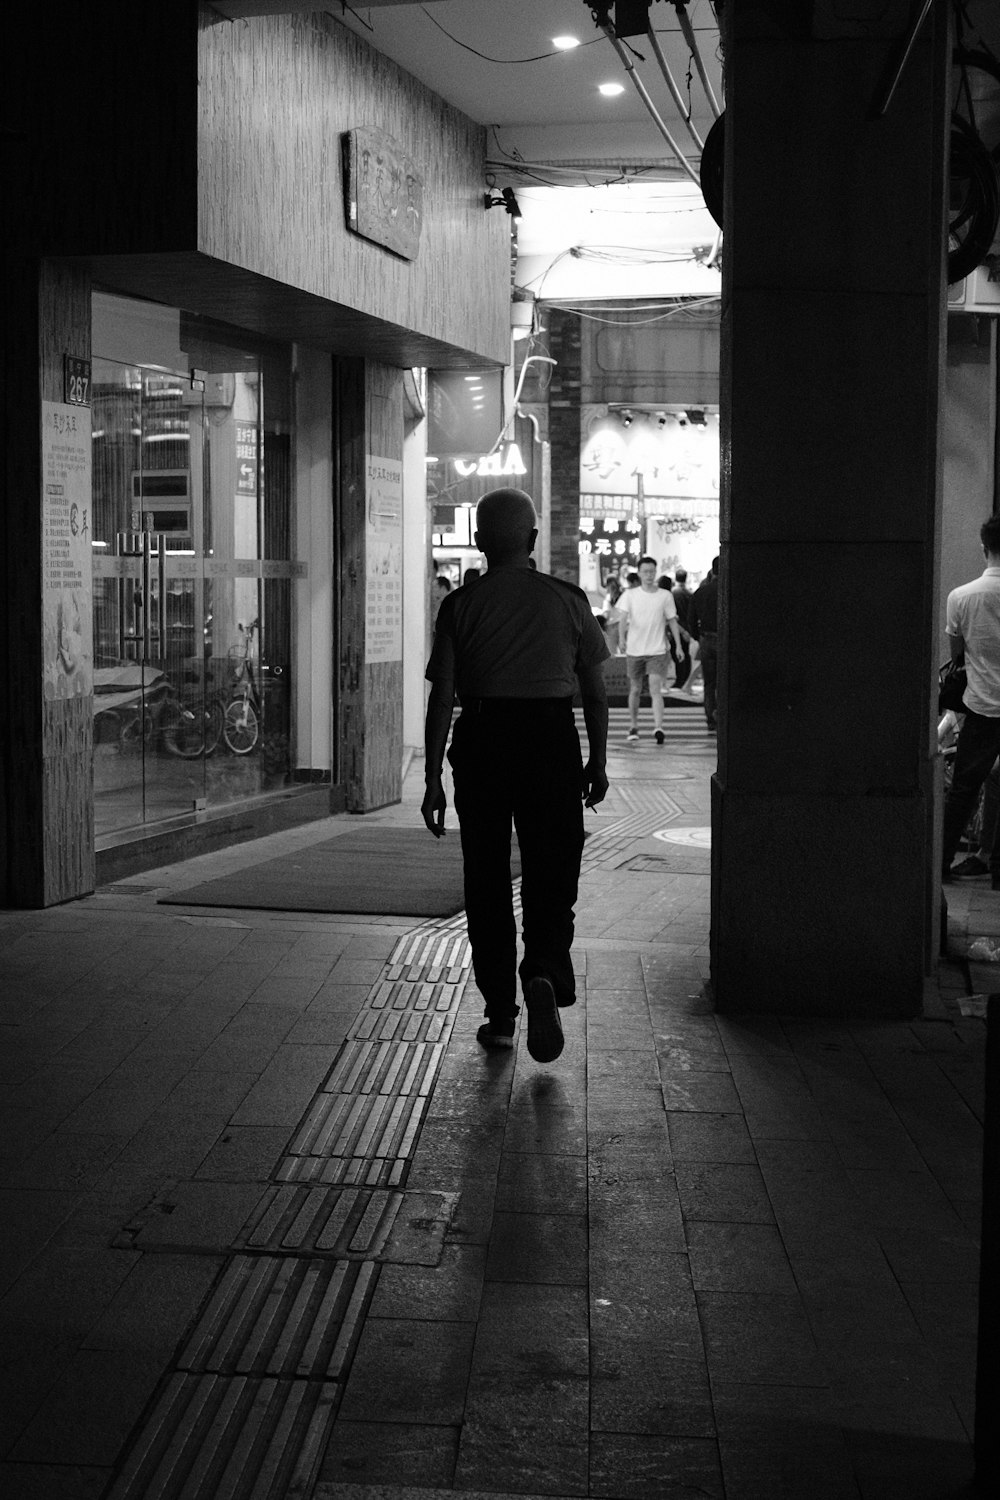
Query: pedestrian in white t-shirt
x,y
647,613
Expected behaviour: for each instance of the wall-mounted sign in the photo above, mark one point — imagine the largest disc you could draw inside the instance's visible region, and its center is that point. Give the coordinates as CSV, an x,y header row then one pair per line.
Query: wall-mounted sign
x,y
384,560
76,380
246,458
67,607
384,192
506,460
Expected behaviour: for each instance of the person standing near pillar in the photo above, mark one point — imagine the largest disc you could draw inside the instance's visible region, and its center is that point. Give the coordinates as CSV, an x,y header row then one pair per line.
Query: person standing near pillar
x,y
514,649
682,598
973,628
647,614
704,628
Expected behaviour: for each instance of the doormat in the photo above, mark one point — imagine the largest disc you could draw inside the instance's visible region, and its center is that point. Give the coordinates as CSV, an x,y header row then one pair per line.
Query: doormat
x,y
402,872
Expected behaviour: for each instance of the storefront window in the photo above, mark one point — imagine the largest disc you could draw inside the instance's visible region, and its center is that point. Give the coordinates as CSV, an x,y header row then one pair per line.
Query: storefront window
x,y
193,569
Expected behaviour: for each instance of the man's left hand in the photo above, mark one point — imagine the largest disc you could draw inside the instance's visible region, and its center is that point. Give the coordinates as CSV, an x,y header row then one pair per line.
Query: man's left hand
x,y
595,784
433,806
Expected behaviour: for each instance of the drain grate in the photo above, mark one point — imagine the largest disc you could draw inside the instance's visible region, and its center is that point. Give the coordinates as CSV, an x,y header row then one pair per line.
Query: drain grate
x,y
215,1437
288,1317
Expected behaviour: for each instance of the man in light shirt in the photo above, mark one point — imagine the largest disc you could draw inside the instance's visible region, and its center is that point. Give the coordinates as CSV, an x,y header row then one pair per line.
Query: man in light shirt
x,y
973,627
647,613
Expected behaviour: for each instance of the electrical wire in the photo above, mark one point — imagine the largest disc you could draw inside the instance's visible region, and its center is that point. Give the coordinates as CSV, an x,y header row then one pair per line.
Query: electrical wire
x,y
640,88
675,92
532,359
540,57
673,312
680,6
360,19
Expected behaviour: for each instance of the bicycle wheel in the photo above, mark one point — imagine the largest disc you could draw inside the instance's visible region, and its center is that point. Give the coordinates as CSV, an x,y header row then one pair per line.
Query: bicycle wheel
x,y
215,716
240,728
185,731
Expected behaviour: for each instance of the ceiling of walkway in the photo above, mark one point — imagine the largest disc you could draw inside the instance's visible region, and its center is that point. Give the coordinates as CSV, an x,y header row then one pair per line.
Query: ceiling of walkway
x,y
591,173
607,208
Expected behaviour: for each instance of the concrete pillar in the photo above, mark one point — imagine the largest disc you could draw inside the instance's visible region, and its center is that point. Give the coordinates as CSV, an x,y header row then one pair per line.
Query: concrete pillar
x,y
564,435
824,897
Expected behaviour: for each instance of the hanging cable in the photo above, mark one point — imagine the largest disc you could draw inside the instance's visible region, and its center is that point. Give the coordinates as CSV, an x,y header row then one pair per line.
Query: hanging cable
x,y
532,359
680,6
602,20
675,92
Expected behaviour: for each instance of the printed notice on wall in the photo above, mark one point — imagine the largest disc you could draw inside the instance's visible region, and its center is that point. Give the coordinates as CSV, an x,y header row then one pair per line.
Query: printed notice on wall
x,y
384,547
66,553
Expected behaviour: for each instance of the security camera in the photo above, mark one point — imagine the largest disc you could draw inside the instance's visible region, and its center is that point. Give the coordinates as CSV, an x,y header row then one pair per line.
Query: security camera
x,y
682,420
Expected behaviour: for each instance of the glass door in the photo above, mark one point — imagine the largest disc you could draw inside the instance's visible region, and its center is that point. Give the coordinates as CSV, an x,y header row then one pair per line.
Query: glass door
x,y
153,722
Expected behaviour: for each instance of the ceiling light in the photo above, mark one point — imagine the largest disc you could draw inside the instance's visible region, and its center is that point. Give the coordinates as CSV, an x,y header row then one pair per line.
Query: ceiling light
x,y
609,90
565,43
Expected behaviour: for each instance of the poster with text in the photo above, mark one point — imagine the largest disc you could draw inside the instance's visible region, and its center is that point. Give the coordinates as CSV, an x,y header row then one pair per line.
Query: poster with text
x,y
384,552
67,621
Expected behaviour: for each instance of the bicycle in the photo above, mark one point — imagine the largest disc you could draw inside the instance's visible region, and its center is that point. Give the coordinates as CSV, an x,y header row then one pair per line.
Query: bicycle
x,y
243,711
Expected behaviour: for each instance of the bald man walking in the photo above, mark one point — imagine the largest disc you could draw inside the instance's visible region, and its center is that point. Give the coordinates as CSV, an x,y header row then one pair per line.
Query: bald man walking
x,y
513,650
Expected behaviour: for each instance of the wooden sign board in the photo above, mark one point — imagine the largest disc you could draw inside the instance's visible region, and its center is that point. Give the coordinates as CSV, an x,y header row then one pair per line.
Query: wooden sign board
x,y
384,193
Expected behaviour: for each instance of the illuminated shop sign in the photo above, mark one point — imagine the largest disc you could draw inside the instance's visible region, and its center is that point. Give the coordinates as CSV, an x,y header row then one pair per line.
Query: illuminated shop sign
x,y
610,538
506,461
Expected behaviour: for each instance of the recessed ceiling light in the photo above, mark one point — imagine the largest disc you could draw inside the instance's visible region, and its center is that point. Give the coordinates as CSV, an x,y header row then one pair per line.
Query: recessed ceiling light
x,y
565,43
609,90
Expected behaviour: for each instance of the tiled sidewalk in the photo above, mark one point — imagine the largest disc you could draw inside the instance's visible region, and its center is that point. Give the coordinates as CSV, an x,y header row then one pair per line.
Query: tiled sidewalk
x,y
693,1257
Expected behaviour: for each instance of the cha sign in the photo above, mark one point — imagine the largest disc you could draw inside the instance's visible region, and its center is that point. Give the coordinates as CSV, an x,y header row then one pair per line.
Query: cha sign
x,y
507,460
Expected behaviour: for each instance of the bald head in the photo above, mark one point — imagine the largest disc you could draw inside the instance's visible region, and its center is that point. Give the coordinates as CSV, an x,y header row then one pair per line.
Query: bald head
x,y
506,525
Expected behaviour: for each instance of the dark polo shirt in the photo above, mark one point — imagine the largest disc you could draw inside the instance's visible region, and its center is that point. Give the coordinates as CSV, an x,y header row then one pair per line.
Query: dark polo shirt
x,y
517,634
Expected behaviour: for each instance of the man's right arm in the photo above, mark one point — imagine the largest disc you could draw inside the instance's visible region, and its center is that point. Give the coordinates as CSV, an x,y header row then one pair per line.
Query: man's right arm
x,y
595,716
622,623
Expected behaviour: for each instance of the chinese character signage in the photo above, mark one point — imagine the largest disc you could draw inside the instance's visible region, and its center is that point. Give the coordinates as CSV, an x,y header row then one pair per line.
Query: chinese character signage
x,y
384,191
246,458
66,552
384,552
677,456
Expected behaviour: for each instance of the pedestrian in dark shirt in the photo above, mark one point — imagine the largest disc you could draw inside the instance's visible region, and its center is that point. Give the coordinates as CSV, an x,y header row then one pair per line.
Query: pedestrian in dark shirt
x,y
704,629
682,598
513,650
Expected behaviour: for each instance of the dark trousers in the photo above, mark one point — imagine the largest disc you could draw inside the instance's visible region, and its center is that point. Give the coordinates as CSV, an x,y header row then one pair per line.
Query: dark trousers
x,y
978,747
682,663
517,763
708,649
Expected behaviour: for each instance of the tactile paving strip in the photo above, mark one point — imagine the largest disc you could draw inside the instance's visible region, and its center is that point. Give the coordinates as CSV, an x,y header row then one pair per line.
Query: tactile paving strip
x,y
282,1317
355,1137
219,1437
247,1413
350,1223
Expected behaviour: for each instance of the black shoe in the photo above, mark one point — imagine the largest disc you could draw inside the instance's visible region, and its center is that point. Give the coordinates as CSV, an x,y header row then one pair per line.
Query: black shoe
x,y
496,1034
969,868
545,1033
658,736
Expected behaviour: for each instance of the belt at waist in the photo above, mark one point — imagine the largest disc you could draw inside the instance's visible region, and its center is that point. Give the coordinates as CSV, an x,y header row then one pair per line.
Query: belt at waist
x,y
512,706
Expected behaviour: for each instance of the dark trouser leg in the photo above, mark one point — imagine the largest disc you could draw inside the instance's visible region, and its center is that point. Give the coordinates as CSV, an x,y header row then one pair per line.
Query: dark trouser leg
x,y
683,668
710,671
548,815
977,749
484,811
